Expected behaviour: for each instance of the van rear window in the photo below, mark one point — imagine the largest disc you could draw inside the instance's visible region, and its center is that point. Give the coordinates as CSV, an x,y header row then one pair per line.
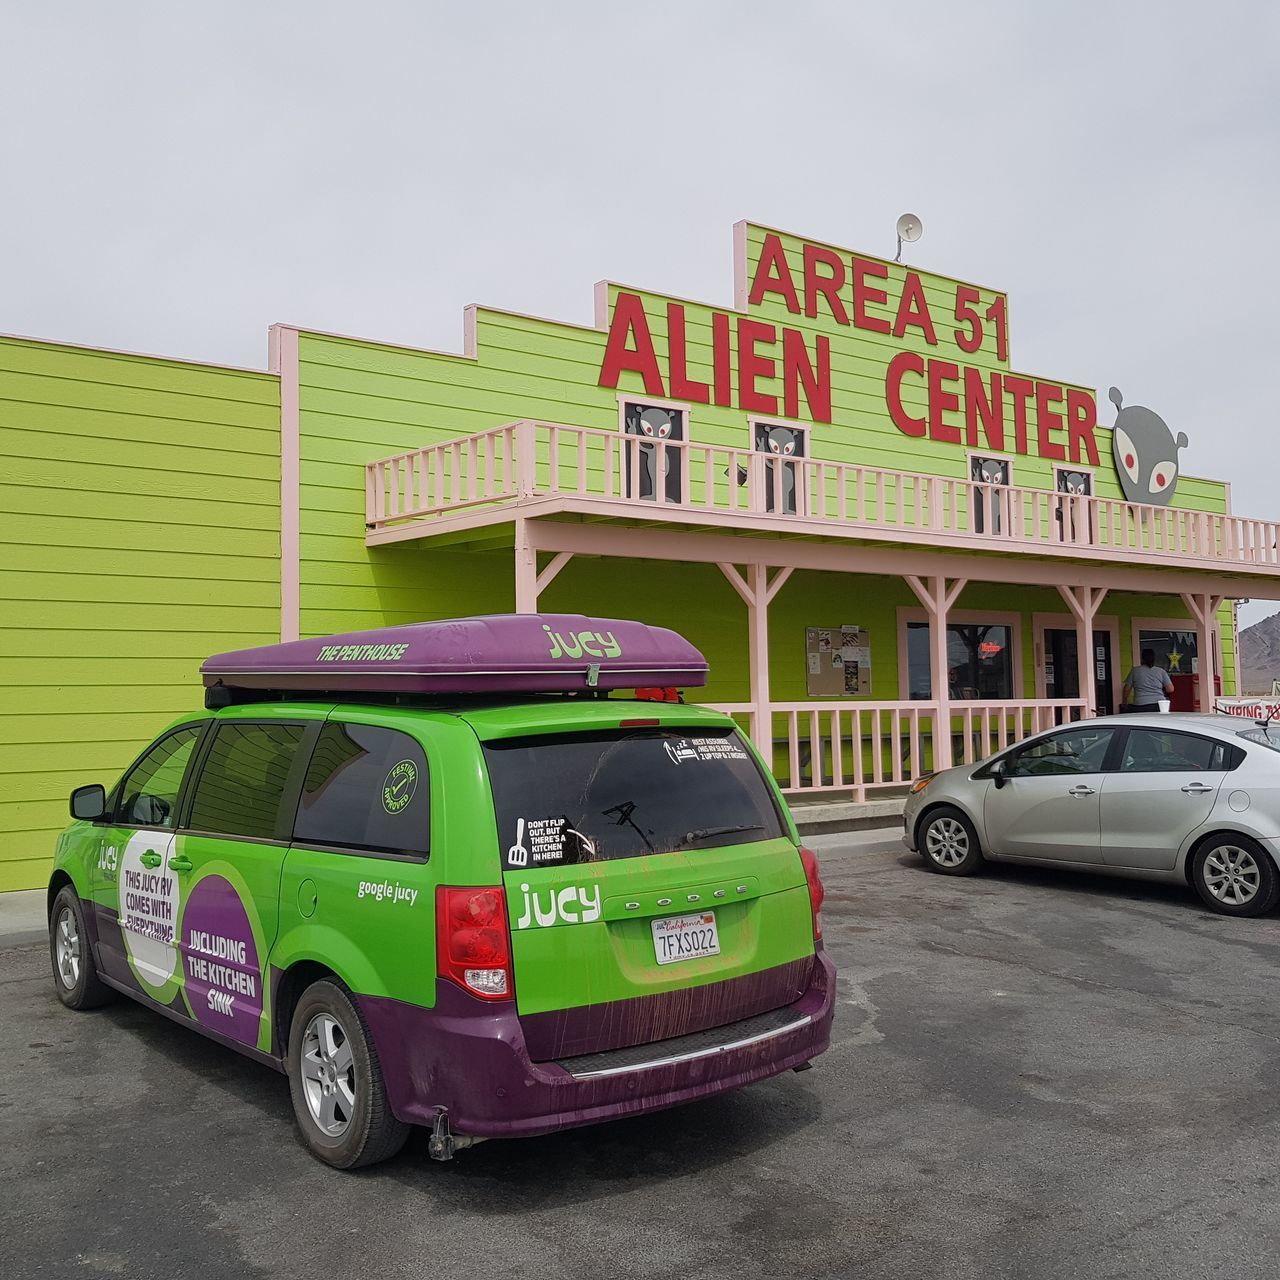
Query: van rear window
x,y
593,797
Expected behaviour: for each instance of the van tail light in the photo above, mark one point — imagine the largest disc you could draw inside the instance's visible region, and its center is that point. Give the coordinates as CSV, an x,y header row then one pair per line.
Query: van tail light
x,y
473,947
816,891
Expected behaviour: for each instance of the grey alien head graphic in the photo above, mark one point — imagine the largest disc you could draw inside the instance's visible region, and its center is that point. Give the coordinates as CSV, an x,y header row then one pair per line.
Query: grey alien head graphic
x,y
1145,452
779,440
1073,482
656,424
990,471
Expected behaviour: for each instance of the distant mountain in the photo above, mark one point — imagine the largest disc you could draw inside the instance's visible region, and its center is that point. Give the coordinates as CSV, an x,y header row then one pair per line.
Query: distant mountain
x,y
1259,655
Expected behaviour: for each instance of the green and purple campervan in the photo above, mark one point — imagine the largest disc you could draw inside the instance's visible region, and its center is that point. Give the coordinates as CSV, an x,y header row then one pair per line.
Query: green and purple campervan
x,y
444,875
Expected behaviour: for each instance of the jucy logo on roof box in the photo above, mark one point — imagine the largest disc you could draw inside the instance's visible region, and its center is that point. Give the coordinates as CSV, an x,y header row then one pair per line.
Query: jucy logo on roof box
x,y
292,885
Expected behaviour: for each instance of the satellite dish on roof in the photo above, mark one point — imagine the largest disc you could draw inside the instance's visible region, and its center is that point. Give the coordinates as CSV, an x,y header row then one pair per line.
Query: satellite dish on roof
x,y
909,230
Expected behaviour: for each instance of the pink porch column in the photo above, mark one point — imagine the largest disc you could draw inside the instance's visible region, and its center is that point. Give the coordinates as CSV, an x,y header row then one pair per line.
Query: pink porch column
x,y
937,596
1203,609
1084,603
757,592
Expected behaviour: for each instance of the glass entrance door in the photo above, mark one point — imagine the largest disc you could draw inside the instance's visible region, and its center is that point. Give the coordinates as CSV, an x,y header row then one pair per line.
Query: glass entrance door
x,y
1062,671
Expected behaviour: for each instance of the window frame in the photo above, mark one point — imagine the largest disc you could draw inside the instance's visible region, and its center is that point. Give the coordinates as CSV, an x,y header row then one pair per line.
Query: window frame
x,y
961,617
675,406
1110,758
804,429
292,787
1229,759
110,818
362,851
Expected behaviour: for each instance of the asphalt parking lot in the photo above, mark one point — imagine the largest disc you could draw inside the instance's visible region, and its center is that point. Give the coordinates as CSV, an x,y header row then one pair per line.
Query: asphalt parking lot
x,y
1032,1074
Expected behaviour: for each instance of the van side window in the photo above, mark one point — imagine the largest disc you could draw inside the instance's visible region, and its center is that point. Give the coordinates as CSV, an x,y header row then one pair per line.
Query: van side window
x,y
243,780
148,795
366,789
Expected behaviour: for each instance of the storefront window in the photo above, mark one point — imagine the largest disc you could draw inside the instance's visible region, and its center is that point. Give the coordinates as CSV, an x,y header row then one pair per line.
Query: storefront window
x,y
979,654
1176,651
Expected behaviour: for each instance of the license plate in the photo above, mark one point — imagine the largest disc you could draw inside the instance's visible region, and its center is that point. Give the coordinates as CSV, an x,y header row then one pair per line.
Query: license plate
x,y
677,938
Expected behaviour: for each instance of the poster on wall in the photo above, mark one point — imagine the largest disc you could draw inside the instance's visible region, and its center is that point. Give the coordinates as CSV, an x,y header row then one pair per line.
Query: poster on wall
x,y
838,661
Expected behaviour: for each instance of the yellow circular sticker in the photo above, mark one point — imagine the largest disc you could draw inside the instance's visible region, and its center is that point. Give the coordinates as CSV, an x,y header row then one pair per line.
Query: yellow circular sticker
x,y
399,786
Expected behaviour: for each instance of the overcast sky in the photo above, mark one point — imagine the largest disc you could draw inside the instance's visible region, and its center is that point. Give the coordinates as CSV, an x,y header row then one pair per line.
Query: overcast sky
x,y
177,176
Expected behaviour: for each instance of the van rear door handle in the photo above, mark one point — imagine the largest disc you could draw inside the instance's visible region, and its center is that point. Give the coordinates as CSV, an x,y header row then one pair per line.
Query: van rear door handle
x,y
179,862
1080,790
151,859
1196,788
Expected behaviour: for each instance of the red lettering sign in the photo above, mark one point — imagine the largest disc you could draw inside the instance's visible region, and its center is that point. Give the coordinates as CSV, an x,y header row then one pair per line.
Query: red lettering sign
x,y
752,366
773,275
630,347
903,363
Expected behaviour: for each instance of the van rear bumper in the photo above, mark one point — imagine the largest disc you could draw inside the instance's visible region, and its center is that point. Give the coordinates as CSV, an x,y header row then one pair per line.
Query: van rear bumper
x,y
469,1056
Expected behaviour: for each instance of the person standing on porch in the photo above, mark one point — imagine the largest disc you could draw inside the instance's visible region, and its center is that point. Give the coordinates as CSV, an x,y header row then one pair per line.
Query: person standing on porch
x,y
1148,682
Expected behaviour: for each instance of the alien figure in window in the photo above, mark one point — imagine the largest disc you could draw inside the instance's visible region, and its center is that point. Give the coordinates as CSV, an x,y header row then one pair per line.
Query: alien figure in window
x,y
780,443
990,471
652,424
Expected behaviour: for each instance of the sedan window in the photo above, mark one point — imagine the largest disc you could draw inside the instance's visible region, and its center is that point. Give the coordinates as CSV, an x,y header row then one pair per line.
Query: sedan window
x,y
1167,751
1076,751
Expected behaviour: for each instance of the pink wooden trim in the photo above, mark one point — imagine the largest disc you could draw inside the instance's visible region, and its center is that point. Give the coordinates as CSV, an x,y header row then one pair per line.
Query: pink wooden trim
x,y
828,557
135,355
741,285
284,349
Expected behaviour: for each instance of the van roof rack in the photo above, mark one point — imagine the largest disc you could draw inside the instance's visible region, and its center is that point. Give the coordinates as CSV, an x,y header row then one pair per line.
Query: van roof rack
x,y
503,653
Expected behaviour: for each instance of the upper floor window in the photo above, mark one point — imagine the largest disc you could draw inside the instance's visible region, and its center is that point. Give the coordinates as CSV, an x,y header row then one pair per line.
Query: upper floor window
x,y
988,507
783,480
649,466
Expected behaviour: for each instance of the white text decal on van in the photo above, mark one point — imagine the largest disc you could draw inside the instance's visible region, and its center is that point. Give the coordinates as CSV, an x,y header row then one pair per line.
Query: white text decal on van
x,y
572,904
387,891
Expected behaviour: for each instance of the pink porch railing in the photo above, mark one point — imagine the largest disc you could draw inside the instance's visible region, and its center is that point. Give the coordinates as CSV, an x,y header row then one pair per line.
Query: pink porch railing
x,y
527,460
867,747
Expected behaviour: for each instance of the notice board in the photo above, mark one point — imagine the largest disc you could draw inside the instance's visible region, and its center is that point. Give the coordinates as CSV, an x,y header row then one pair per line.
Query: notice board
x,y
839,661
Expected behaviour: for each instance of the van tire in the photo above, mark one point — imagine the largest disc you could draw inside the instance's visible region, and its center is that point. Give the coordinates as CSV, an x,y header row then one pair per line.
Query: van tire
x,y
75,978
335,1080
948,842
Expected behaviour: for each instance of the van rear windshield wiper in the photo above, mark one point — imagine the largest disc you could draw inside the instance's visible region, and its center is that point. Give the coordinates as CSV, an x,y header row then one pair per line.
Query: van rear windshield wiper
x,y
703,833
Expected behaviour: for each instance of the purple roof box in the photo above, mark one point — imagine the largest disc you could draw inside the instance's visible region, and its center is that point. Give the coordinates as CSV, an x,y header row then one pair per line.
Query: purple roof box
x,y
502,653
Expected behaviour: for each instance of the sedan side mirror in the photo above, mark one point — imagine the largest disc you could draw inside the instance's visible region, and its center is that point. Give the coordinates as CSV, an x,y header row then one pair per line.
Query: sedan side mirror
x,y
998,775
89,803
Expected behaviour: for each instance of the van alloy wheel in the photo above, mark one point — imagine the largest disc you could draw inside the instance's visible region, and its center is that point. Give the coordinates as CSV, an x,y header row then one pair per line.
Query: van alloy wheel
x,y
328,1075
1232,875
947,842
67,950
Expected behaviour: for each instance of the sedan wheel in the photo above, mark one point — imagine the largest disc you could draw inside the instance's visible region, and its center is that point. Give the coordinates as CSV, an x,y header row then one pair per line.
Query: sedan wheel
x,y
949,842
1235,877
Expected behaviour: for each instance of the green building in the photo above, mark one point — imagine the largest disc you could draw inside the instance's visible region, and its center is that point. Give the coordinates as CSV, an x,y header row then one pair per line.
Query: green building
x,y
840,488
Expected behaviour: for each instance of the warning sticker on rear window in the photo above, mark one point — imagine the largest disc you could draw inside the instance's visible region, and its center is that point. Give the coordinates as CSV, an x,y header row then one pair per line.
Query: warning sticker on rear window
x,y
692,750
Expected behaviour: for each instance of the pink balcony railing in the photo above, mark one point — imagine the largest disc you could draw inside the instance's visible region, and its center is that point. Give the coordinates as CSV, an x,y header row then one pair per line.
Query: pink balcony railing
x,y
867,747
529,460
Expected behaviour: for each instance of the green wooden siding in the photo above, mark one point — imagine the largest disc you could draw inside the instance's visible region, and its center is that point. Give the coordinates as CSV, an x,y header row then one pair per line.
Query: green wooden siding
x,y
139,532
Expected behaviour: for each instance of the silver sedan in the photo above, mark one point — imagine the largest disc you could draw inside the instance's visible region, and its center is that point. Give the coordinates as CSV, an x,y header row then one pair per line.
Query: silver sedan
x,y
1184,798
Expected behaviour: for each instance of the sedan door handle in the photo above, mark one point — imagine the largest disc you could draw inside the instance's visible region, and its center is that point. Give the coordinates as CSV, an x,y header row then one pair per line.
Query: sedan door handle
x,y
180,862
1196,788
1080,790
